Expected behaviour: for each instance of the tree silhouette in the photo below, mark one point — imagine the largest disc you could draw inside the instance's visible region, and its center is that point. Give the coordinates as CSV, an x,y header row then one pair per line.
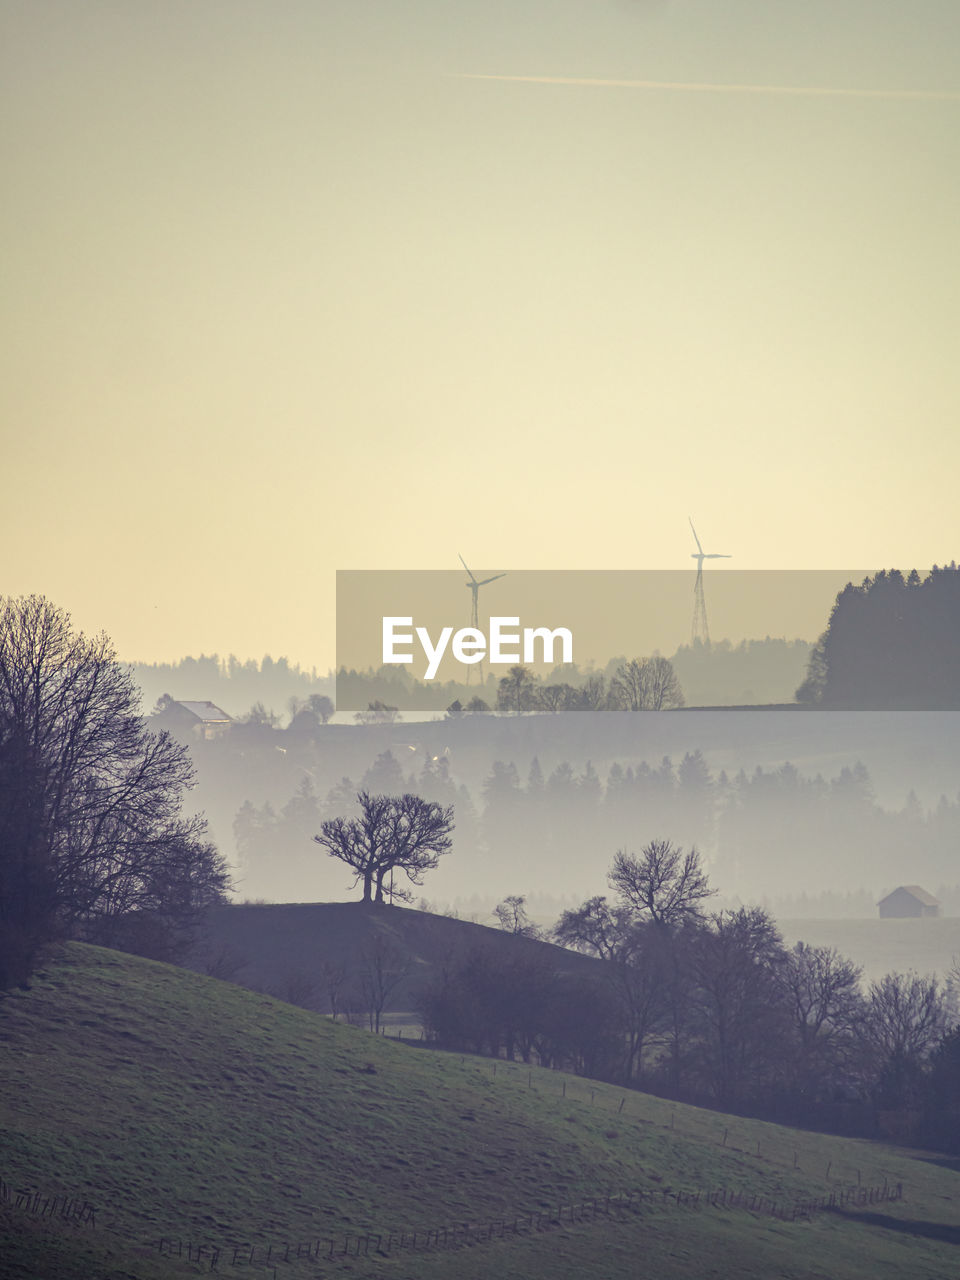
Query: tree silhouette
x,y
663,884
92,839
393,833
890,643
645,684
516,692
512,917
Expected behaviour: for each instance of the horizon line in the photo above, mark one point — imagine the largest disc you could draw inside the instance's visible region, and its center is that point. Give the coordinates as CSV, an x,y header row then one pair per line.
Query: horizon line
x,y
693,86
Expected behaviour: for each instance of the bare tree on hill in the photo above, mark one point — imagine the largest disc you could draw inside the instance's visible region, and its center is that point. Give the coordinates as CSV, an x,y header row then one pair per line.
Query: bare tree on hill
x,y
646,684
512,917
93,840
393,833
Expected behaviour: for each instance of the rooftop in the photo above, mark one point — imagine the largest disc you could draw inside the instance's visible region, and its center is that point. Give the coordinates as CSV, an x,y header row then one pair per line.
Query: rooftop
x,y
915,891
206,711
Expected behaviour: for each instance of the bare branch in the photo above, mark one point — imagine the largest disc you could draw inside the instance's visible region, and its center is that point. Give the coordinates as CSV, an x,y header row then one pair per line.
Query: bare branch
x,y
663,884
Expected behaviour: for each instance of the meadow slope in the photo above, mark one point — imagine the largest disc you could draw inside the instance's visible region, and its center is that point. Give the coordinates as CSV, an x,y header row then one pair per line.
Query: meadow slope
x,y
185,1108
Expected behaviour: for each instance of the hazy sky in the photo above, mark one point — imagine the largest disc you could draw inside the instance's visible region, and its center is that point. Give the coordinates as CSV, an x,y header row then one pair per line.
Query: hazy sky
x,y
286,289
609,614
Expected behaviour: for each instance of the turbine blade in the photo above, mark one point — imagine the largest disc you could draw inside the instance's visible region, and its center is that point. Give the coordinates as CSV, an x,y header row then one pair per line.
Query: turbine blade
x,y
695,538
493,579
464,563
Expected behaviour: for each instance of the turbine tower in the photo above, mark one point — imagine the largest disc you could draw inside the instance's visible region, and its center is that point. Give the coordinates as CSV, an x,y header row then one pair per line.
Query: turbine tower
x,y
700,630
475,586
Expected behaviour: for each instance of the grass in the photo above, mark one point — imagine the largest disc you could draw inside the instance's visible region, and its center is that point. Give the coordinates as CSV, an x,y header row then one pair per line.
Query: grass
x,y
182,1107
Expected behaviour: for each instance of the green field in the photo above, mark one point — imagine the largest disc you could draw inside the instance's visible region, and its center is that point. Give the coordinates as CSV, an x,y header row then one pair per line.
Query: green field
x,y
195,1111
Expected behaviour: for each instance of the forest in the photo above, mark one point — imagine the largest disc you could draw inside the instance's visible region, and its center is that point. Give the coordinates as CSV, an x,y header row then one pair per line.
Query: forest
x,y
891,643
773,833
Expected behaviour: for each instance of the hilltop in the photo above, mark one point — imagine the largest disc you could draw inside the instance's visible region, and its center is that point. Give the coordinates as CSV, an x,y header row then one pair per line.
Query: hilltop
x,y
297,950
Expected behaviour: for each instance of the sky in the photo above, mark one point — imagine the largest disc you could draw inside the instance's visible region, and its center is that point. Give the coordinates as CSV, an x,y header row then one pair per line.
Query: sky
x,y
312,285
608,614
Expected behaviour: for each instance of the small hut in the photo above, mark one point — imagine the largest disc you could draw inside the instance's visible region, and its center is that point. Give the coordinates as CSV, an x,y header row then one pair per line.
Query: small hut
x,y
908,901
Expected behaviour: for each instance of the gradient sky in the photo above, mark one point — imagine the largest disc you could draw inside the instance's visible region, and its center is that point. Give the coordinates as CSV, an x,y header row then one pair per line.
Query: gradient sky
x,y
286,289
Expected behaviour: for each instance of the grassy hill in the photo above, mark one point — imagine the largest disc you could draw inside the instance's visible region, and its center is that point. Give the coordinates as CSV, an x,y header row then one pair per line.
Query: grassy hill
x,y
184,1108
286,949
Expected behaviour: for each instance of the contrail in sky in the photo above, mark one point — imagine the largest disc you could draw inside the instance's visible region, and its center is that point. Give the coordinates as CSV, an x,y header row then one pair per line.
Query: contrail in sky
x,y
688,86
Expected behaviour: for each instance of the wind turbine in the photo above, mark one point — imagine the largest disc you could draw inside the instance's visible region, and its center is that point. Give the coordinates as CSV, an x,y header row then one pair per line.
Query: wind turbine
x,y
475,586
700,630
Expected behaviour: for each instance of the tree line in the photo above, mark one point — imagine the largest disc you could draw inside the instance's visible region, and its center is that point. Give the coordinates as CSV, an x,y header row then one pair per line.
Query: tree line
x,y
890,642
718,674
637,684
826,831
711,1007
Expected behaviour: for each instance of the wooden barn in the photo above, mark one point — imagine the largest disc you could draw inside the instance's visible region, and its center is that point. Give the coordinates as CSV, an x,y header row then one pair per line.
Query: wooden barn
x,y
909,900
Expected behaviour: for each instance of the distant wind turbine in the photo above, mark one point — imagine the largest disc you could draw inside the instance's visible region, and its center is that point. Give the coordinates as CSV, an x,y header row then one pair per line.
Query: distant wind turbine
x,y
475,586
700,630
